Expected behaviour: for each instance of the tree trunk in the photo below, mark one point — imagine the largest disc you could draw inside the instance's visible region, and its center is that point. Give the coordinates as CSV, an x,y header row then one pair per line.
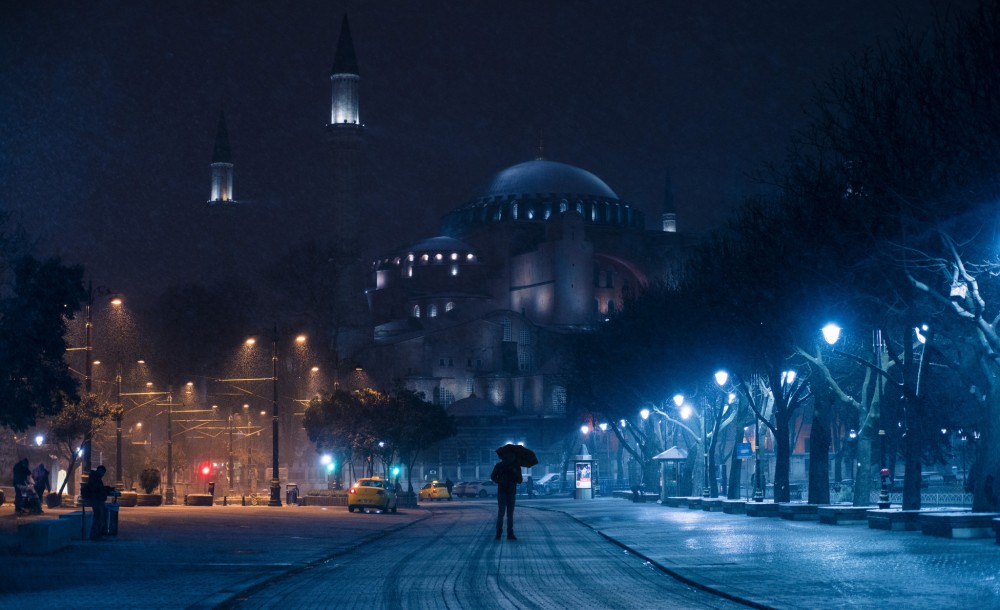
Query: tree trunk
x,y
914,465
861,468
985,472
735,475
819,448
782,456
713,480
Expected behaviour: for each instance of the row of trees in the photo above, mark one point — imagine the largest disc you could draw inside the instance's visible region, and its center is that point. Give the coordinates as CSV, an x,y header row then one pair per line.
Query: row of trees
x,y
883,219
380,428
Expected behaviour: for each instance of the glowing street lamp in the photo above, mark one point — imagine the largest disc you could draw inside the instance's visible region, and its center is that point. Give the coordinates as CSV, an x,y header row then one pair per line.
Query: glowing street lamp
x,y
831,333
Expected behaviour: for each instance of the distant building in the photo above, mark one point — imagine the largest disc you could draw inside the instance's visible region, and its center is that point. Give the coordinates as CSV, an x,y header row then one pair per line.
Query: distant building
x,y
477,316
481,312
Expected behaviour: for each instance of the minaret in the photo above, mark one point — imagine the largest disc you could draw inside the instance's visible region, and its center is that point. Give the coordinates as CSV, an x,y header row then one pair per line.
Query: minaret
x,y
669,212
344,131
222,166
345,77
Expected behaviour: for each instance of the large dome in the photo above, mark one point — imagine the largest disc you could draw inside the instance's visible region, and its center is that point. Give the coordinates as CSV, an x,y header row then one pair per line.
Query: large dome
x,y
535,192
539,176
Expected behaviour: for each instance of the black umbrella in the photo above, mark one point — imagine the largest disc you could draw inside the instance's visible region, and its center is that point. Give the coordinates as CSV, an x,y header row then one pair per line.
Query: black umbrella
x,y
525,457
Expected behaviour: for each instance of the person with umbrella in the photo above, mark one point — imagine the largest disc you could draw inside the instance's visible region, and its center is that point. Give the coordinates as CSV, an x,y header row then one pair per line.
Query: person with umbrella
x,y
507,474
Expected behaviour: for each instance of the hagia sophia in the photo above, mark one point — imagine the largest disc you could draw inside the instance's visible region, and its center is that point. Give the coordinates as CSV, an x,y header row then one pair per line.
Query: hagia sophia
x,y
476,317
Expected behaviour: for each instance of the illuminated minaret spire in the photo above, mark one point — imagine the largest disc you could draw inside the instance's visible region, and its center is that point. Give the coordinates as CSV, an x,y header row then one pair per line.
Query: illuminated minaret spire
x,y
340,219
345,78
669,216
222,165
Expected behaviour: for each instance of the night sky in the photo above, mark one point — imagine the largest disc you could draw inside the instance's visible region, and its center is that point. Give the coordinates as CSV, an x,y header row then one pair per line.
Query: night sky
x,y
108,111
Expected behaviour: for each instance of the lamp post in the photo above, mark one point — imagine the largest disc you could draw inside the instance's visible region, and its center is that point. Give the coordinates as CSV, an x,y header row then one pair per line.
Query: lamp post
x,y
170,448
119,484
87,377
758,489
275,488
275,483
721,377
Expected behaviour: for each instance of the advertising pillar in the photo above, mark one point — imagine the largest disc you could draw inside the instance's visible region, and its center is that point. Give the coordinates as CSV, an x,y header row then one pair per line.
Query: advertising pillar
x,y
584,475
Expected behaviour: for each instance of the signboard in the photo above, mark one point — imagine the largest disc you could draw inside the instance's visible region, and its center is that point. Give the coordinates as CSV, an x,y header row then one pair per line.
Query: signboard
x,y
744,450
583,474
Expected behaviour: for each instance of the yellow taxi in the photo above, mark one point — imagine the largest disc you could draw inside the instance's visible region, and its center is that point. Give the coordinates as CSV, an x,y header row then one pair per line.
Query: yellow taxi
x,y
372,493
435,490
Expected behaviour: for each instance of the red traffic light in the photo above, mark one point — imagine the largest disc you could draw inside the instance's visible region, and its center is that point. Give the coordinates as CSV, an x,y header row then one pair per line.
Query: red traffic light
x,y
884,473
205,469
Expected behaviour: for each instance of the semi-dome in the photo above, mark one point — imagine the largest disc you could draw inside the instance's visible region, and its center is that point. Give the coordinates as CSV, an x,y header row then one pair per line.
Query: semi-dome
x,y
542,176
441,243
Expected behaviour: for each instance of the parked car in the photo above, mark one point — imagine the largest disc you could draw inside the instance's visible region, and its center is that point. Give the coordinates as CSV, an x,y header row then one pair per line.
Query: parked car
x,y
435,490
481,489
549,484
372,492
459,489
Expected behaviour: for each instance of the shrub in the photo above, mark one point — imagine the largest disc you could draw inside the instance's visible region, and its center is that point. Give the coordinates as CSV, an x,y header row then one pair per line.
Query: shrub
x,y
149,479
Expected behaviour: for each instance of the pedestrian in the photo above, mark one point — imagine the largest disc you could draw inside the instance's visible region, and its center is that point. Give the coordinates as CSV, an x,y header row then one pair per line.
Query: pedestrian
x,y
96,493
506,474
531,486
21,475
449,485
41,476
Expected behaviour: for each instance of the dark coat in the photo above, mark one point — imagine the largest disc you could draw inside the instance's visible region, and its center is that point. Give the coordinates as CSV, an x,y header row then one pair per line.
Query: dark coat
x,y
97,491
507,474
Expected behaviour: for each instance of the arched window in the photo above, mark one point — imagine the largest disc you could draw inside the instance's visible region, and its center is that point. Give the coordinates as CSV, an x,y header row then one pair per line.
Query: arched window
x,y
508,335
449,306
432,311
563,206
416,311
513,210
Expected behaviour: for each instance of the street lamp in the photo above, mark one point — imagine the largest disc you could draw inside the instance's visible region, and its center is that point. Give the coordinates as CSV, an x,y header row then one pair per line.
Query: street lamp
x,y
275,496
686,411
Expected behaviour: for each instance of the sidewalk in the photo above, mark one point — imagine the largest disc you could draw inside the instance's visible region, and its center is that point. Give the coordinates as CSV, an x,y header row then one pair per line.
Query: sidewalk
x,y
797,564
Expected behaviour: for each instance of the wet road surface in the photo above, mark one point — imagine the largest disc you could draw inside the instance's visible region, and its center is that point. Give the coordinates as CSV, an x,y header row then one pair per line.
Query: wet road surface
x,y
451,560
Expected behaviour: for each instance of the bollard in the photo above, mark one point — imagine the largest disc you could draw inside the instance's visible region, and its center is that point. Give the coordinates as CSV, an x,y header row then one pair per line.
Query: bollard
x,y
244,500
225,500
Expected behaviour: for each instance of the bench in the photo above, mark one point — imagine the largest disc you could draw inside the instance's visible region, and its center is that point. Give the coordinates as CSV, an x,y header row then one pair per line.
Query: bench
x,y
675,501
44,536
78,531
713,505
692,502
843,515
896,520
734,507
762,509
798,511
198,499
957,524
324,500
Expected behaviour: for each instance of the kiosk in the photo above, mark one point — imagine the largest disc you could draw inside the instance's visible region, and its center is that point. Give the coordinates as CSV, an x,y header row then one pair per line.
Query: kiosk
x,y
583,474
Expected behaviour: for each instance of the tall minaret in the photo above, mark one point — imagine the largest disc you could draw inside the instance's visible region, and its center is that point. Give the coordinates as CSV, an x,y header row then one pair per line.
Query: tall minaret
x,y
222,166
345,131
669,215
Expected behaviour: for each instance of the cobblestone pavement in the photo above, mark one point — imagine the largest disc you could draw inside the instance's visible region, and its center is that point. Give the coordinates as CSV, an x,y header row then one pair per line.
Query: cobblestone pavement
x,y
174,557
801,564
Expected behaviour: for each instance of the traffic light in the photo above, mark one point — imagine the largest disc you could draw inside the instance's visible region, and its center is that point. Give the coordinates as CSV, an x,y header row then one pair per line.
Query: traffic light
x,y
205,470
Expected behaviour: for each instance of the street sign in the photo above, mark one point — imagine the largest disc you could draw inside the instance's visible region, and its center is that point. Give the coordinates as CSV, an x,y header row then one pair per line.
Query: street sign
x,y
744,450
